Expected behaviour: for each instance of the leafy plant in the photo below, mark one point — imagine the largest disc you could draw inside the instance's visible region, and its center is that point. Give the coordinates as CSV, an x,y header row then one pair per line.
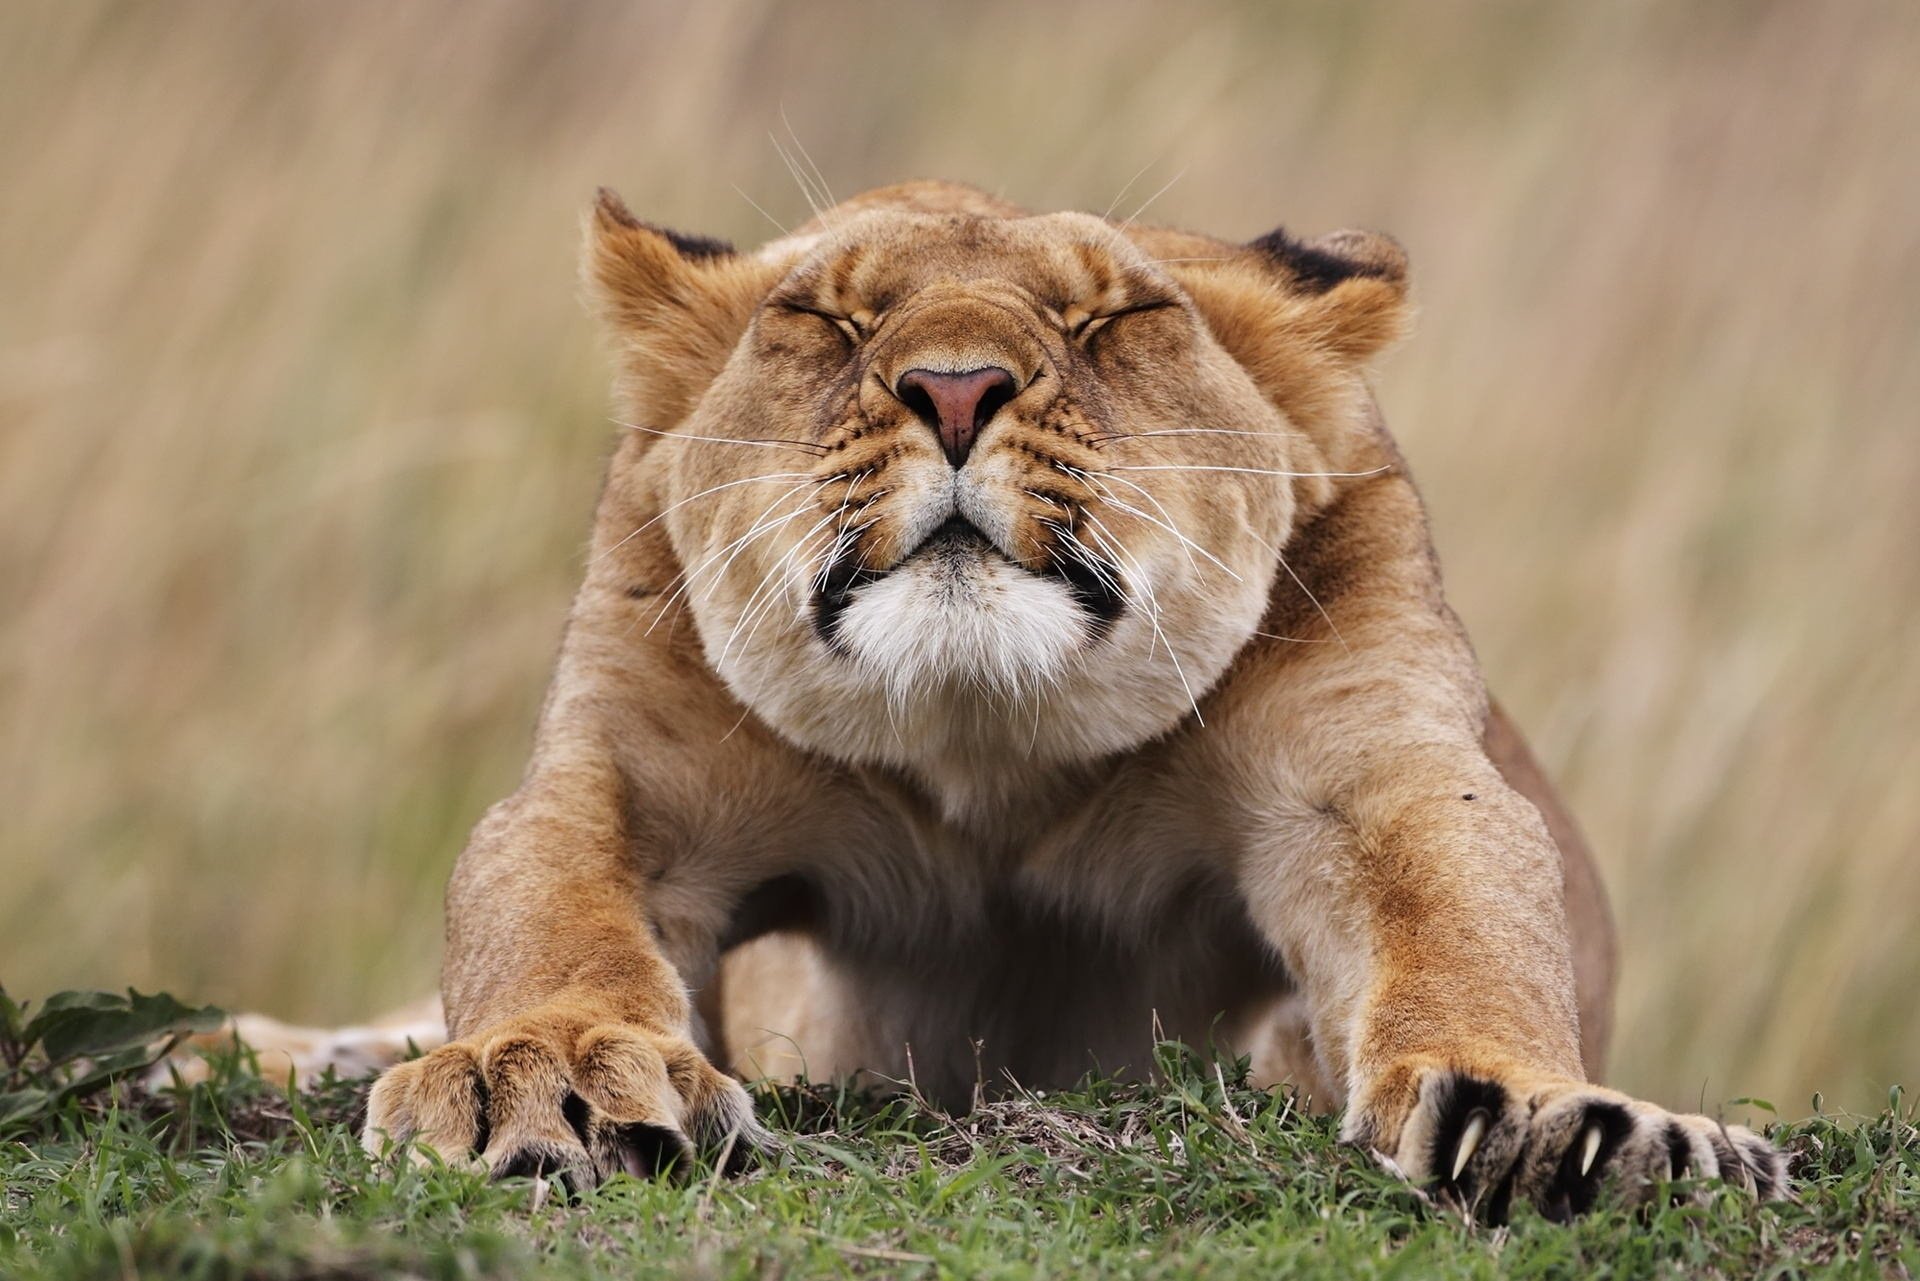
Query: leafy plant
x,y
78,1042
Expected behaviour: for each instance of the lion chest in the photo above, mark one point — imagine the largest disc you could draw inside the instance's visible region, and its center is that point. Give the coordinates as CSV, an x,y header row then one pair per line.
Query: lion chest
x,y
1041,944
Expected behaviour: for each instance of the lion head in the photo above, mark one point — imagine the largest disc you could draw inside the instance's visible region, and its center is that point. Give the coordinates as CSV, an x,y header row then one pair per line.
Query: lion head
x,y
953,489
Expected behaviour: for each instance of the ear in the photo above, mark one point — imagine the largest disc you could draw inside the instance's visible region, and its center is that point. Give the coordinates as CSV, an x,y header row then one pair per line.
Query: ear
x,y
1353,282
675,305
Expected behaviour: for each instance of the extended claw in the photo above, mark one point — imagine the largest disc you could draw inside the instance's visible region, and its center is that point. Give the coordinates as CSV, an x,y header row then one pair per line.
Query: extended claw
x,y
1476,1130
1590,1148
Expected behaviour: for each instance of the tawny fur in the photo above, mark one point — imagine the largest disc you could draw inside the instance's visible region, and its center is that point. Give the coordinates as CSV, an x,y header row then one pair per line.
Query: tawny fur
x,y
970,826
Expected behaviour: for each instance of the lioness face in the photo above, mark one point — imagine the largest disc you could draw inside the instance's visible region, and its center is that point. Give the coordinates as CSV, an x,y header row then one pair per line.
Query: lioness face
x,y
1014,496
954,494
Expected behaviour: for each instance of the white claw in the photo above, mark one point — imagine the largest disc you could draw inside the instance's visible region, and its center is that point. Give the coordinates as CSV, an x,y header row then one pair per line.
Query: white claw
x,y
1591,1150
1469,1142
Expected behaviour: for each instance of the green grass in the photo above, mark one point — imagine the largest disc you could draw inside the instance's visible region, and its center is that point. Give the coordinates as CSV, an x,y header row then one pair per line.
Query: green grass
x,y
1189,1176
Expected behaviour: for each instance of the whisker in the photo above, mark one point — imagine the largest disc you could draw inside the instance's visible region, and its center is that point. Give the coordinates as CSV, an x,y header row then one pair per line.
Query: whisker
x,y
1281,559
759,615
1136,488
763,442
840,533
684,592
1325,616
1279,430
1168,525
1122,193
1250,471
793,170
1102,438
801,147
1101,572
1150,199
744,713
759,526
762,524
1104,571
721,572
802,178
772,578
661,515
1108,496
1033,736
763,213
1153,615
1139,594
827,552
1112,542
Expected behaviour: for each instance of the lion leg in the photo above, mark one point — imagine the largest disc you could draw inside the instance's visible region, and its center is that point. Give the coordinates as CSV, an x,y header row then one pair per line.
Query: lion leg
x,y
573,1047
1589,921
286,1051
1281,1038
1278,1040
785,1015
1423,917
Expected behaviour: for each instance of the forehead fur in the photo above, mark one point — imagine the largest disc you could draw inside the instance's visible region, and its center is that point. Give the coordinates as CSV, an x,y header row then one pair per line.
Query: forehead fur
x,y
882,255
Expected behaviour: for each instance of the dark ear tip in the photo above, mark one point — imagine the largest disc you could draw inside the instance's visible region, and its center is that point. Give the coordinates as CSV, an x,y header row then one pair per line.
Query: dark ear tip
x,y
1316,266
1383,257
611,211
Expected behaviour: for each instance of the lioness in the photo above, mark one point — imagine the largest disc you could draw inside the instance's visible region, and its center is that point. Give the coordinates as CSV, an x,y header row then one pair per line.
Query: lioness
x,y
1005,637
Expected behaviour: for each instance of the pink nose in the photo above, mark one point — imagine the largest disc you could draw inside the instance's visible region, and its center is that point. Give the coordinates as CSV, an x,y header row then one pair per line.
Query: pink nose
x,y
956,406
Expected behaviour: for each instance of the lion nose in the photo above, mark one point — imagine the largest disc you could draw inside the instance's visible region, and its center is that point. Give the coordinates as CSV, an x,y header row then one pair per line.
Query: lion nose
x,y
956,406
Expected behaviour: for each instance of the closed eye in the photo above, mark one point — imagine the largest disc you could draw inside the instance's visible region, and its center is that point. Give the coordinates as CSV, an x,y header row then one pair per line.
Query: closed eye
x,y
1087,326
855,329
849,326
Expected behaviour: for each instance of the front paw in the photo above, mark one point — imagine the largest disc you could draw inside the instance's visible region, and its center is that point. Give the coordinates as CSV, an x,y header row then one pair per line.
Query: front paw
x,y
1483,1136
555,1094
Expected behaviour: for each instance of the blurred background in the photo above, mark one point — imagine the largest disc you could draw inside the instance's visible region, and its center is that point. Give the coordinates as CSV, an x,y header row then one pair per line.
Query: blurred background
x,y
301,424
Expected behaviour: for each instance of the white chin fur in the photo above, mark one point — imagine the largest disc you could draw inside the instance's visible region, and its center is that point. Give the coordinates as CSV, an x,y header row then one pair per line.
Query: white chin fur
x,y
958,620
